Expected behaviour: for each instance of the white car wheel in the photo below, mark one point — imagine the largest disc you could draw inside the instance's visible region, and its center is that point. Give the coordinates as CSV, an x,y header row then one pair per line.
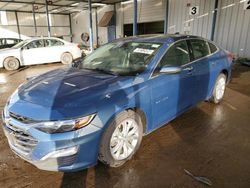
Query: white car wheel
x,y
66,58
11,63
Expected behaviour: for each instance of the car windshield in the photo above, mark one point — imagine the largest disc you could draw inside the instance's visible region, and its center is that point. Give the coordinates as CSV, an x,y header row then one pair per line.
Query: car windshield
x,y
122,58
20,44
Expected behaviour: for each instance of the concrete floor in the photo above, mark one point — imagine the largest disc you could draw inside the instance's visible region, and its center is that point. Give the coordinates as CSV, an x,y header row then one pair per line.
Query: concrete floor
x,y
208,140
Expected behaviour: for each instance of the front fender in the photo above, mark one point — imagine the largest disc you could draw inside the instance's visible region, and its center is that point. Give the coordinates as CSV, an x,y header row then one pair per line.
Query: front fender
x,y
137,96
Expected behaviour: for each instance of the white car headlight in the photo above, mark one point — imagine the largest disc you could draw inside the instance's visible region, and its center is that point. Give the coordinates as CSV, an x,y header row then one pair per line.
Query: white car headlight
x,y
64,126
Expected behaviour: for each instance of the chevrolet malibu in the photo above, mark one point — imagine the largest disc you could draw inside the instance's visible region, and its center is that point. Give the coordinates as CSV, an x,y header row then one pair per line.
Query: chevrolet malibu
x,y
38,51
100,108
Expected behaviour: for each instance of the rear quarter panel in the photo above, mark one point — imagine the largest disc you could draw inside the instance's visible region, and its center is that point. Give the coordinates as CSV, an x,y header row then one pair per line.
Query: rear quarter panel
x,y
73,49
219,62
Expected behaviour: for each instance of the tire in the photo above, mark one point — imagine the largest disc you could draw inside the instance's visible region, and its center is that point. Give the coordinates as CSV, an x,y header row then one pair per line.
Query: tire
x,y
219,89
11,63
110,141
66,58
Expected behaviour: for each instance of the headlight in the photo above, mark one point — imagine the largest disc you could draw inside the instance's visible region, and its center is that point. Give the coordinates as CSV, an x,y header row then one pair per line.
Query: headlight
x,y
64,126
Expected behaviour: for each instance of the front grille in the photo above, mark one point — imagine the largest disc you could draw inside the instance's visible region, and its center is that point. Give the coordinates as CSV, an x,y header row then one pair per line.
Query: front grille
x,y
20,118
22,142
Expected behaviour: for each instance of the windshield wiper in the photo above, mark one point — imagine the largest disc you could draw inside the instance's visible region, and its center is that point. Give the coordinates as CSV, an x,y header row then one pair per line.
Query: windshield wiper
x,y
103,71
106,71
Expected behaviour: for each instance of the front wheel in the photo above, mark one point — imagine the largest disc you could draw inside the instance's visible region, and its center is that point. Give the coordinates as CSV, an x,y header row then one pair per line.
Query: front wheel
x,y
11,63
121,139
219,89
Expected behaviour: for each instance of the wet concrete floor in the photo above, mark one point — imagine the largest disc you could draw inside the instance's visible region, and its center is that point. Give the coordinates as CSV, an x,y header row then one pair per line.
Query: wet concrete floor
x,y
208,140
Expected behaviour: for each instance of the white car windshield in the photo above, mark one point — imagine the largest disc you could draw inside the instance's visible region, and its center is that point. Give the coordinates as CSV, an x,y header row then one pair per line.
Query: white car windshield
x,y
122,58
20,44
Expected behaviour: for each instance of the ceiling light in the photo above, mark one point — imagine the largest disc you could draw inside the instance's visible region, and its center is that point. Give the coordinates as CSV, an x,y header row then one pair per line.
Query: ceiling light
x,y
98,4
75,4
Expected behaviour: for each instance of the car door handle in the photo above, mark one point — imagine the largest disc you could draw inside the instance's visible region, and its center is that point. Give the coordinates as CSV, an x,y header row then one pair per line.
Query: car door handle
x,y
188,69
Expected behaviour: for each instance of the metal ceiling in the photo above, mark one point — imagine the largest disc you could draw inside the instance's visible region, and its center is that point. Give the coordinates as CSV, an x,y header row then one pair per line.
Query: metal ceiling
x,y
54,6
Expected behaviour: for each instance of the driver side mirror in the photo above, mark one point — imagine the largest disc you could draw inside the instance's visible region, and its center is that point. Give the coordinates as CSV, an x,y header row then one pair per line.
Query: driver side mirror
x,y
170,70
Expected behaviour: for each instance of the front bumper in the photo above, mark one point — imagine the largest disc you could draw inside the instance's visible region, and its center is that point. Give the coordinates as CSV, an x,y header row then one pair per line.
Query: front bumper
x,y
33,145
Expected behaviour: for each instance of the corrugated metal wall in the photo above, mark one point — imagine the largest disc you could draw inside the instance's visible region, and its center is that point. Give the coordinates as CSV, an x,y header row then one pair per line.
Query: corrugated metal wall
x,y
232,30
181,21
233,27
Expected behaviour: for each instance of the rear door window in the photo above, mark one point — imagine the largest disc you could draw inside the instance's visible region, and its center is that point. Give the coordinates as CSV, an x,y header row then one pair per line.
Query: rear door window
x,y
35,44
212,47
200,48
10,41
1,41
52,42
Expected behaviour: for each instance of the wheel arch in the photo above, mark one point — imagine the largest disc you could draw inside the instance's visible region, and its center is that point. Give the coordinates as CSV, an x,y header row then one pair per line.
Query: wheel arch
x,y
138,110
13,57
225,72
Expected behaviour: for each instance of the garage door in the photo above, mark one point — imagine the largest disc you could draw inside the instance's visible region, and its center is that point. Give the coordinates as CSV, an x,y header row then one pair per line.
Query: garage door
x,y
148,11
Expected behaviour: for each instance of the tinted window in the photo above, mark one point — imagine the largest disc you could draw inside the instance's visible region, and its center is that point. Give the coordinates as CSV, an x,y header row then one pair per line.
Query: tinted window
x,y
35,44
10,41
1,41
177,55
200,48
53,42
212,47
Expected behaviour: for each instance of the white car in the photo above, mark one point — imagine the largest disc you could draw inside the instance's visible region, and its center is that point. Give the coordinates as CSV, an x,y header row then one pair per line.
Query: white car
x,y
39,51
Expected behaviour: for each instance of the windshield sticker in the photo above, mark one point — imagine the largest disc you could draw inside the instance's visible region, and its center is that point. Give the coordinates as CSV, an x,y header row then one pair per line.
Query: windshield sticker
x,y
143,51
155,45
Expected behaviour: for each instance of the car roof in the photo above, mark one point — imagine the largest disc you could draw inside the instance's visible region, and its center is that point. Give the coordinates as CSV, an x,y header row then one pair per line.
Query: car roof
x,y
37,38
11,38
158,38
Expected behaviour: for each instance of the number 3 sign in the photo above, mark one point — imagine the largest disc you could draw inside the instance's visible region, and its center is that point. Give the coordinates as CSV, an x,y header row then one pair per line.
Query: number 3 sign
x,y
194,10
247,5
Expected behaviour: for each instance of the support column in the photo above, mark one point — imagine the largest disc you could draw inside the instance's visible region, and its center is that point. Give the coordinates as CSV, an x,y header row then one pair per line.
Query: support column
x,y
90,26
70,27
18,27
166,17
135,19
214,19
47,15
96,27
34,18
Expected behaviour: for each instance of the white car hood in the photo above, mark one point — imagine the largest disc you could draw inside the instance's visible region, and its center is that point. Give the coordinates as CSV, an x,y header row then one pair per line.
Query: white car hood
x,y
8,50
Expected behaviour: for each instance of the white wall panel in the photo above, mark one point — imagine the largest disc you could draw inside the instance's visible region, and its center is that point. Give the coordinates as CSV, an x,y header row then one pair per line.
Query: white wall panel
x,y
27,31
59,31
41,19
80,24
25,18
8,31
59,20
148,11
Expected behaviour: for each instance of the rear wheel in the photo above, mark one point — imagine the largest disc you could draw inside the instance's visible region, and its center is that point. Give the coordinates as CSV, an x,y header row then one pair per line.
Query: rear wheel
x,y
121,139
66,58
11,63
219,89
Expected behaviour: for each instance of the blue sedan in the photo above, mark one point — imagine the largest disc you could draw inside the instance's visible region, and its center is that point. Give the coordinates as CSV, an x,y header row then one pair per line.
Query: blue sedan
x,y
100,108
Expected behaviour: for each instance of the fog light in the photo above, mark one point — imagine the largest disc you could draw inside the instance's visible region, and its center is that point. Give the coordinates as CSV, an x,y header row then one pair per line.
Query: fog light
x,y
61,153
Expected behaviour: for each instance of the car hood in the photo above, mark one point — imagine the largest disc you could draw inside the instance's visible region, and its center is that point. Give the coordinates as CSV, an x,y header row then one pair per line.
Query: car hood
x,y
8,50
65,92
